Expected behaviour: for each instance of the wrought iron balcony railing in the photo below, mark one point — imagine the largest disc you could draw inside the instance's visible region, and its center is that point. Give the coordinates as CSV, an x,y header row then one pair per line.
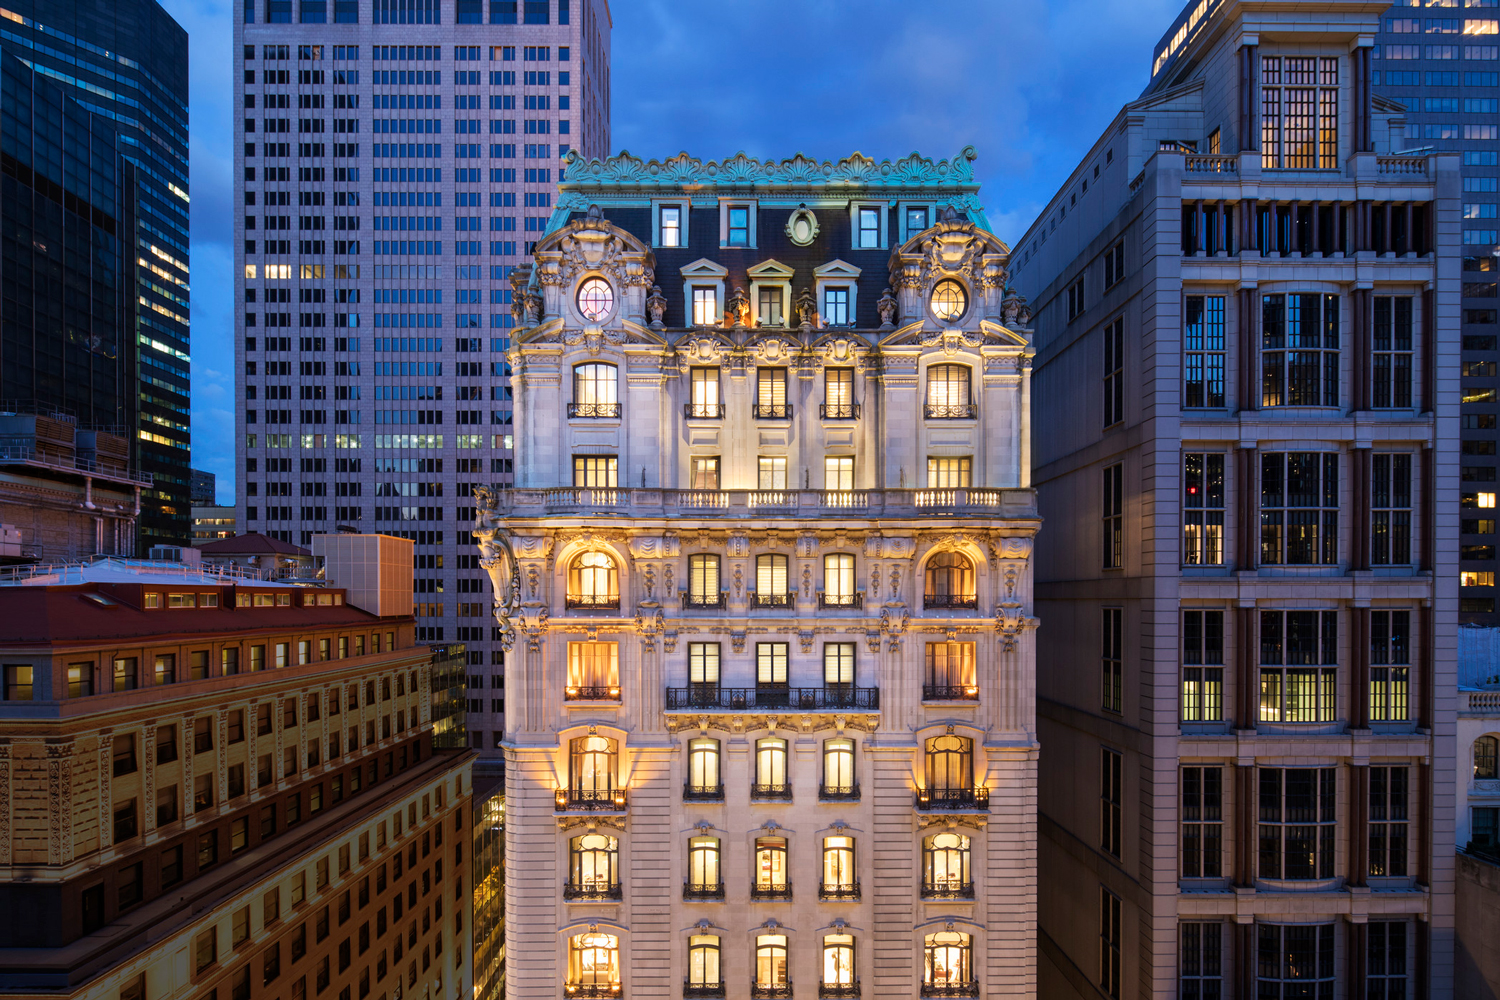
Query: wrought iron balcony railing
x,y
759,791
770,890
950,692
770,991
596,890
950,989
844,891
590,799
592,991
690,600
950,601
839,793
951,411
772,600
593,410
838,991
854,600
591,602
839,411
703,890
576,693
948,890
713,698
703,411
771,411
702,793
953,799
702,991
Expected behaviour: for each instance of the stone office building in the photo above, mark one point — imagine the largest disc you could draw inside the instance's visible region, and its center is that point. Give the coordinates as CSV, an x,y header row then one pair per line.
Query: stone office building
x,y
222,788
1246,406
766,569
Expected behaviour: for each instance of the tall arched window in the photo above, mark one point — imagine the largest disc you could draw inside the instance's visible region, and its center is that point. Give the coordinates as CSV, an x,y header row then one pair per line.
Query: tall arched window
x,y
703,780
595,391
593,581
945,867
838,770
703,967
770,770
772,881
840,880
593,867
838,966
1487,757
950,582
947,962
770,966
949,771
591,770
704,880
948,393
593,965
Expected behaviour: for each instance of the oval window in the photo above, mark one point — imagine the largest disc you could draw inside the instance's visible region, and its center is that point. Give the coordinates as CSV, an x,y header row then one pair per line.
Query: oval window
x,y
595,299
948,301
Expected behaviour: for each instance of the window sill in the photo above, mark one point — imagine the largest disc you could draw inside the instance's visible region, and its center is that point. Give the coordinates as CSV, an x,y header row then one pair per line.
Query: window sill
x,y
1299,884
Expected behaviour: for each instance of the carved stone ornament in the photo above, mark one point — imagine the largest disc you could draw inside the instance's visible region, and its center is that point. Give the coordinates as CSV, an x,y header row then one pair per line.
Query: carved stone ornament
x,y
702,350
807,310
1010,623
737,309
656,307
951,341
498,559
802,226
1014,310
887,309
839,351
774,350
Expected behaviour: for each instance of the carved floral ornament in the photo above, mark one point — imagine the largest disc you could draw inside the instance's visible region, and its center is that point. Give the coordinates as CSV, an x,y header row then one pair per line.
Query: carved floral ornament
x,y
802,226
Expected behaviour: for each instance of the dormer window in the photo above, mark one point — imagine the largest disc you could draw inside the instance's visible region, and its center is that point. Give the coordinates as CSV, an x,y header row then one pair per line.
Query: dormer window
x,y
770,311
595,299
916,219
671,226
869,229
705,306
739,226
836,306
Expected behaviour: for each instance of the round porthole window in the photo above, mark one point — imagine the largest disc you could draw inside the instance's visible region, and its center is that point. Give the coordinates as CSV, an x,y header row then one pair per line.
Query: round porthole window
x,y
949,301
595,299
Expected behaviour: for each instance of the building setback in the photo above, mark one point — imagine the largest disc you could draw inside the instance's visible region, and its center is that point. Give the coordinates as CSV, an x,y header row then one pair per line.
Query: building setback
x,y
218,786
1445,71
1247,333
113,354
398,161
766,569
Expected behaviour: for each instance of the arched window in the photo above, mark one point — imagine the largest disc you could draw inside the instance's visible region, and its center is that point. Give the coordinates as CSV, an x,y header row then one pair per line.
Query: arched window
x,y
593,581
838,966
593,867
838,770
771,877
703,780
1487,757
591,770
948,393
771,582
838,582
704,880
947,960
945,867
594,391
593,965
770,964
949,770
950,582
703,967
770,770
839,878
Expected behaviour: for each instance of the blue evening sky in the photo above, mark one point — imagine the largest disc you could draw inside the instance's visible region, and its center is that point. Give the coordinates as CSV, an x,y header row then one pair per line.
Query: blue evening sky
x,y
1028,83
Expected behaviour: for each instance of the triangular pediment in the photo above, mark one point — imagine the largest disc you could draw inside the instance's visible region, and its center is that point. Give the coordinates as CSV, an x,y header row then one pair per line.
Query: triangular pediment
x,y
836,269
704,268
769,270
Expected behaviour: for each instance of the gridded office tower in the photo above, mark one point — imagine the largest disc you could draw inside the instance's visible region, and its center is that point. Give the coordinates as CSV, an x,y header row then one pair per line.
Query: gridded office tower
x,y
1247,332
95,270
770,727
222,787
1443,66
398,159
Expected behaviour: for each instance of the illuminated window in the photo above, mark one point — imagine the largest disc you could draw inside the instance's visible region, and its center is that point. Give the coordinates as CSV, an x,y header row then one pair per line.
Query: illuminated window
x,y
1476,578
705,306
1299,113
593,671
1202,666
593,581
1299,672
947,960
838,472
949,581
1203,513
771,474
671,226
945,866
594,962
770,960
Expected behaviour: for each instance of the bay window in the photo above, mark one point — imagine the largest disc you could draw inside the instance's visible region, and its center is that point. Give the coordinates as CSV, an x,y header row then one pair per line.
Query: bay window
x,y
1298,666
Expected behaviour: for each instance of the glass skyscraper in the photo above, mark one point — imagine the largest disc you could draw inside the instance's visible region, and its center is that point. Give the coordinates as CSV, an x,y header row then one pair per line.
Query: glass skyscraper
x,y
397,160
125,61
1440,60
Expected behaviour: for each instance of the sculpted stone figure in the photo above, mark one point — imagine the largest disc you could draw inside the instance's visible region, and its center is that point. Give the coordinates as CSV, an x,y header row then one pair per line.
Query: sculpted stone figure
x,y
656,307
737,309
498,559
887,308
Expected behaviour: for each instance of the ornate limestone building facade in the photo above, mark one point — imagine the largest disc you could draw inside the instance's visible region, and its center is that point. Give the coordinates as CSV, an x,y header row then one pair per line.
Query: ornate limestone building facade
x,y
766,573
